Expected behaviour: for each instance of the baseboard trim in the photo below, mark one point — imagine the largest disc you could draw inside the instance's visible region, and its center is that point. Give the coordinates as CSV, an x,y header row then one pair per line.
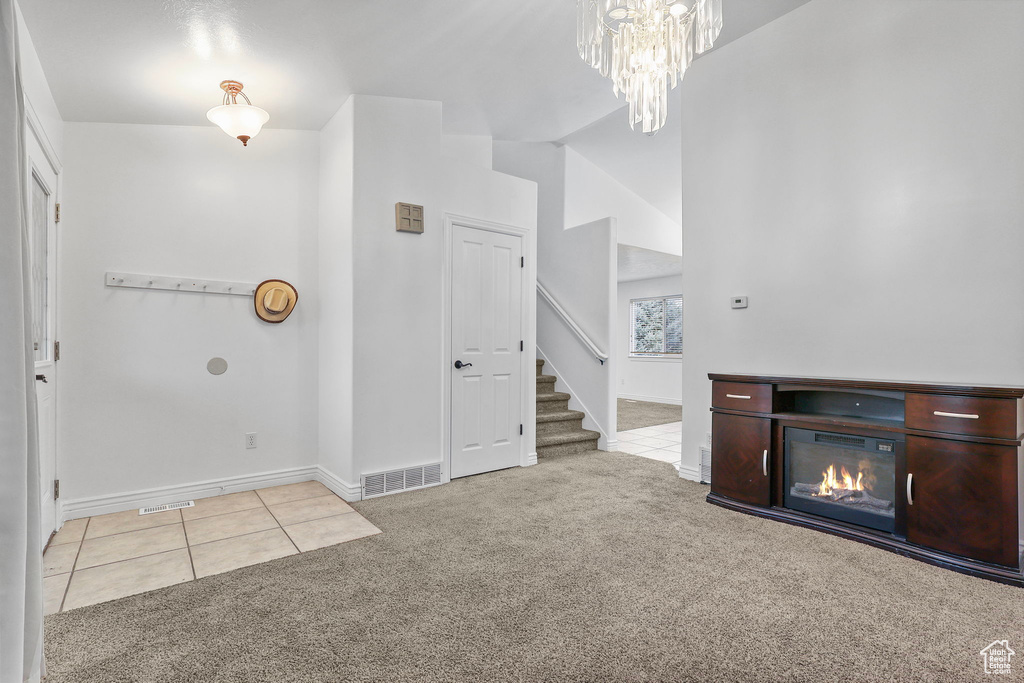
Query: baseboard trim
x,y
119,502
606,444
346,491
687,472
653,399
531,459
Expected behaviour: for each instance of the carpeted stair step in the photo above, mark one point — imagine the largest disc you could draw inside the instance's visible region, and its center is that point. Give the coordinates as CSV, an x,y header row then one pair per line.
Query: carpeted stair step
x,y
559,430
552,403
566,444
559,422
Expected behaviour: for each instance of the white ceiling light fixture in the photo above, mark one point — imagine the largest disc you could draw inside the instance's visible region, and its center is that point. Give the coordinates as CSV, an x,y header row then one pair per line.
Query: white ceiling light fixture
x,y
242,121
645,47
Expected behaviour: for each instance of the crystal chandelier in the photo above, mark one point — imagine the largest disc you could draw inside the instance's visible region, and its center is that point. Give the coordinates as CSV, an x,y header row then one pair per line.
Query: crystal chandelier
x,y
645,47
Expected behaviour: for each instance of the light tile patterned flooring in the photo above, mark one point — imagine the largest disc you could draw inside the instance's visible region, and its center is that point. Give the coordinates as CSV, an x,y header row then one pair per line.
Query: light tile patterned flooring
x,y
111,556
660,442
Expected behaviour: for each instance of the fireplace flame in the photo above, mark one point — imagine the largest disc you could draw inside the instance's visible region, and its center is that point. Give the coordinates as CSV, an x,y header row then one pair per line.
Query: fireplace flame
x,y
845,481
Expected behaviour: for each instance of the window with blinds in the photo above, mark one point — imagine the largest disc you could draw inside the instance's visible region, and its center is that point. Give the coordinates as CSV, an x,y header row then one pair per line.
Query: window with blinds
x,y
656,326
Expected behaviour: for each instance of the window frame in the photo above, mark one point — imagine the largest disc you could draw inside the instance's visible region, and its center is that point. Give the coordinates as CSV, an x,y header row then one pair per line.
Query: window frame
x,y
663,355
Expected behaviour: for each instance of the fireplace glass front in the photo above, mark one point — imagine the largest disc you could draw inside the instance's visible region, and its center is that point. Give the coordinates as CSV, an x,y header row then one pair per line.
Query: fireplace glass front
x,y
841,476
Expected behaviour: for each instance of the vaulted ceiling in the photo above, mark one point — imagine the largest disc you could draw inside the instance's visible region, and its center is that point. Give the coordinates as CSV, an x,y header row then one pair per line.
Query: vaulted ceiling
x,y
506,68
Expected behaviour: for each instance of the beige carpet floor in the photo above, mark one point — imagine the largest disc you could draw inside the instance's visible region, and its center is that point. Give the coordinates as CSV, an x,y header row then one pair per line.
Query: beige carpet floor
x,y
589,567
636,414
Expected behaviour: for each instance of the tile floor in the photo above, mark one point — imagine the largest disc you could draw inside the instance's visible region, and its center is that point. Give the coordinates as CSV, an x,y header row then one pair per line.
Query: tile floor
x,y
111,556
661,442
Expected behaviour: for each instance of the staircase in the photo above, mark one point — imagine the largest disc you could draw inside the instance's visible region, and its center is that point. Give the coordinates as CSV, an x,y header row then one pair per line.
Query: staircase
x,y
559,430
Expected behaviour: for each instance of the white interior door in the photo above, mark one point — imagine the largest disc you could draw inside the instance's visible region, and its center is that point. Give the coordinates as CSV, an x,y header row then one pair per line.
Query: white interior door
x,y
41,190
486,352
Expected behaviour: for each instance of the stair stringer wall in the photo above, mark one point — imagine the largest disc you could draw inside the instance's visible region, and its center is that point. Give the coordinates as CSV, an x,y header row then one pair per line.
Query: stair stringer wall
x,y
606,442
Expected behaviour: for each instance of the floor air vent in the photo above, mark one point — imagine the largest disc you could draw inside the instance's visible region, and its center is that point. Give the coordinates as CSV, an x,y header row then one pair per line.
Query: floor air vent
x,y
383,483
169,506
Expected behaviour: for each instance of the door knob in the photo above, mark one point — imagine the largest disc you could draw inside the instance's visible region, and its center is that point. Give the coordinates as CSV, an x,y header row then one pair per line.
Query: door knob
x,y
459,365
42,378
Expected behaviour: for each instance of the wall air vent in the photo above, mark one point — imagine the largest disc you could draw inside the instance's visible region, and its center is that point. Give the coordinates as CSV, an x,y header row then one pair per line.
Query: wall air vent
x,y
168,506
705,465
383,483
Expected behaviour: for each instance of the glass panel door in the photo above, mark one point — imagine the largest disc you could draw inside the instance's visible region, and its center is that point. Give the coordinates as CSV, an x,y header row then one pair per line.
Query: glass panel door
x,y
39,249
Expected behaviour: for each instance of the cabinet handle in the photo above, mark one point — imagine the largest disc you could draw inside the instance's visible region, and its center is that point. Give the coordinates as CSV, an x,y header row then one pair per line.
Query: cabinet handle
x,y
910,488
737,396
962,416
764,462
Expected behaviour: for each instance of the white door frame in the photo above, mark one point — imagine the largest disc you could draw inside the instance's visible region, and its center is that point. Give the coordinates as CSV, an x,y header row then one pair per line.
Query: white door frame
x,y
34,127
528,389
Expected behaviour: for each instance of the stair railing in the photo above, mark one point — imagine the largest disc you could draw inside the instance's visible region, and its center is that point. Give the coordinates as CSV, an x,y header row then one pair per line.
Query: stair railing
x,y
567,319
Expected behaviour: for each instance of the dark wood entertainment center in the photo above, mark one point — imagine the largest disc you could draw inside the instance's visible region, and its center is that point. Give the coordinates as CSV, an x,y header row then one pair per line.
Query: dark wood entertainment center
x,y
947,463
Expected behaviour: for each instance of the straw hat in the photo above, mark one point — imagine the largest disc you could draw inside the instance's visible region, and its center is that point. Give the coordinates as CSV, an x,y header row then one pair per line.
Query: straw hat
x,y
274,300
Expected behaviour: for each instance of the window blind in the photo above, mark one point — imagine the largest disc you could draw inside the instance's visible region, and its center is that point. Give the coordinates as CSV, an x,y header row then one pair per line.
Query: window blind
x,y
656,326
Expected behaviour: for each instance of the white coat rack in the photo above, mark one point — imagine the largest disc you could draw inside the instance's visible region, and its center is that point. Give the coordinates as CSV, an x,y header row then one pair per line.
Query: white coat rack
x,y
179,284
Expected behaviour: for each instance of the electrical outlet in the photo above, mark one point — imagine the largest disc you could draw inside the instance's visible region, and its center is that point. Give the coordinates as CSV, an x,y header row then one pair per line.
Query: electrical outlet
x,y
622,382
250,439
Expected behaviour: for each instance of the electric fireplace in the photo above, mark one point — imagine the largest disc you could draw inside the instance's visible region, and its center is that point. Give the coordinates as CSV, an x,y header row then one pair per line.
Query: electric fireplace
x,y
930,471
842,477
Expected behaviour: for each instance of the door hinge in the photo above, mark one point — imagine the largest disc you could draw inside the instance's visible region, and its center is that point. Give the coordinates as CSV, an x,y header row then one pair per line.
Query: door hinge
x,y
56,350
56,489
520,430
56,213
522,261
521,346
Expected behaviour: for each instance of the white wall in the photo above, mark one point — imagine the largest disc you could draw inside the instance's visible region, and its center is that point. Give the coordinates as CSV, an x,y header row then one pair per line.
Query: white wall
x,y
397,323
475,150
646,379
389,150
574,191
575,198
37,90
580,266
856,170
137,407
591,194
336,289
576,263
544,164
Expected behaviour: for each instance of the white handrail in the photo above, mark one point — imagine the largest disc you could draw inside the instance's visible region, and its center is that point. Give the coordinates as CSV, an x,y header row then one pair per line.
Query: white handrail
x,y
567,319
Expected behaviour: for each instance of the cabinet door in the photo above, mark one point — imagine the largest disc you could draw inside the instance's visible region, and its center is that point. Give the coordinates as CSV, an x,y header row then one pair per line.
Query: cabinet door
x,y
962,498
741,458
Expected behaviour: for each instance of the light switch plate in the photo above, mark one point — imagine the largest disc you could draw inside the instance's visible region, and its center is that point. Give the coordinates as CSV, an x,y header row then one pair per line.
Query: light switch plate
x,y
739,302
408,218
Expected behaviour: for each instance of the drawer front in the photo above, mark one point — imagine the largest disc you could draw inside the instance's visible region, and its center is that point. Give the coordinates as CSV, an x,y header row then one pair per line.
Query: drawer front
x,y
994,417
756,398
